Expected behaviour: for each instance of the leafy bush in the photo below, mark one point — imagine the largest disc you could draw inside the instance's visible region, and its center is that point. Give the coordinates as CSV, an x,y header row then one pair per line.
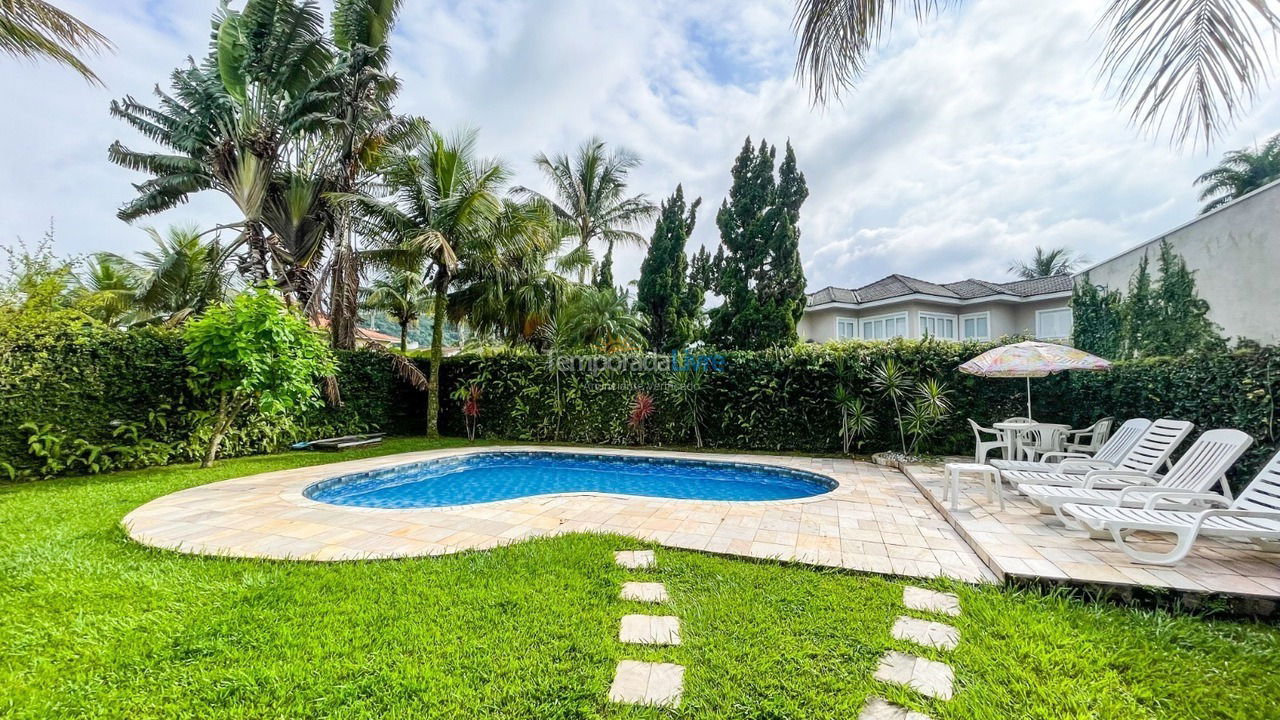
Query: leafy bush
x,y
783,400
253,354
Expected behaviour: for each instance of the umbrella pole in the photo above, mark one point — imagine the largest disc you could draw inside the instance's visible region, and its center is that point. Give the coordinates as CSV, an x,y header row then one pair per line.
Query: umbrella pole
x,y
1029,398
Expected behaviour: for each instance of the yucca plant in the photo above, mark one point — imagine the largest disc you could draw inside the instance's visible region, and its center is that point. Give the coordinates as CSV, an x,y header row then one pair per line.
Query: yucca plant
x,y
687,385
856,419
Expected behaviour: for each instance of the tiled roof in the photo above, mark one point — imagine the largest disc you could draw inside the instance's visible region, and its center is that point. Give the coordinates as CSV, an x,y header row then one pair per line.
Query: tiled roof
x,y
901,285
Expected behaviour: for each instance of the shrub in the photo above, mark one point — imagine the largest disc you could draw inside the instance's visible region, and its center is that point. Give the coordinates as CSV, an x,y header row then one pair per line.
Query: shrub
x,y
253,354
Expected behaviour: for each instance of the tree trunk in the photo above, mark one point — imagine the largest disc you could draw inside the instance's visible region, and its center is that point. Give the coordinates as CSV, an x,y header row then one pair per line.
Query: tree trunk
x,y
437,352
221,426
345,289
404,336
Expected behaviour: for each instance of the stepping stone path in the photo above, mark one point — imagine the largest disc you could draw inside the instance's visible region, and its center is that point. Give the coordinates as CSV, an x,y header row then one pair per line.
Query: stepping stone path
x,y
635,559
644,592
650,630
643,683
923,632
928,677
881,709
930,601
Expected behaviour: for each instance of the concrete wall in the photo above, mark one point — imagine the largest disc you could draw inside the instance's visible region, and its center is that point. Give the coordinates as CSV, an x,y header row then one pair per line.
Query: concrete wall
x,y
1235,254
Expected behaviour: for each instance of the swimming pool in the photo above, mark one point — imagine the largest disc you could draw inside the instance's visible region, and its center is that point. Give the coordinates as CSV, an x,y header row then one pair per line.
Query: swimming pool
x,y
489,476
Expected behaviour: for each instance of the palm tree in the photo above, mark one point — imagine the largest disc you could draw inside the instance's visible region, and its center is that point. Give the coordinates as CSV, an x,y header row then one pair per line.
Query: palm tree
x,y
601,318
517,290
1046,263
36,29
104,292
181,276
1190,65
403,295
1240,173
590,199
439,217
278,117
234,123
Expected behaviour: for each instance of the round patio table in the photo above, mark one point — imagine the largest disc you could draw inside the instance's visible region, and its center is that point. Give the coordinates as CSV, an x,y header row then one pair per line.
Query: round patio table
x,y
1013,430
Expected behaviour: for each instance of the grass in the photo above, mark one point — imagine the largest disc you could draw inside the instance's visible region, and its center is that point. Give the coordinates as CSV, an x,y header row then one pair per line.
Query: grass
x,y
94,625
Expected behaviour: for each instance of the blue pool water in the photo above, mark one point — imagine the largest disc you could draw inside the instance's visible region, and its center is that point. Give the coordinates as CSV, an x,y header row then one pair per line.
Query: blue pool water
x,y
485,477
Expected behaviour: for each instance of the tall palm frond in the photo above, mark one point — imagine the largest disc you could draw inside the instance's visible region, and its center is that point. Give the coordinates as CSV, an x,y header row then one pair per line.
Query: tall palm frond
x,y
1186,68
1046,263
589,194
37,29
1240,173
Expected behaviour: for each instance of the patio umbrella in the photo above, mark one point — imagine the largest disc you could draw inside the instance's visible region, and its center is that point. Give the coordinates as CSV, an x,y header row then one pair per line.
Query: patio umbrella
x,y
1032,359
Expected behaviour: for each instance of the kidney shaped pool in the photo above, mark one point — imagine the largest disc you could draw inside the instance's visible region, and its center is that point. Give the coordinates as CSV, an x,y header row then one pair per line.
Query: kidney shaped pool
x,y
489,476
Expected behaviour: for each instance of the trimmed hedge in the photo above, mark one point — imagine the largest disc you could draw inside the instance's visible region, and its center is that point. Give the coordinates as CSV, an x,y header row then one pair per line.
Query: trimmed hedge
x,y
86,381
782,400
122,398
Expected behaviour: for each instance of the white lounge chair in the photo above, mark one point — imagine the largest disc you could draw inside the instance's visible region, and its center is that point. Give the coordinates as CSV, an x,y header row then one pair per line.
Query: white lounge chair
x,y
1079,463
1140,465
1204,465
982,447
1254,517
1089,440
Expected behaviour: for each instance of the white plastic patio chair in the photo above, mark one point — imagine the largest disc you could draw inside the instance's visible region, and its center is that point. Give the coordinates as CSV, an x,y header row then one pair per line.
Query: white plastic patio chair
x,y
1040,440
1079,463
1253,517
1204,465
982,447
1089,439
1139,466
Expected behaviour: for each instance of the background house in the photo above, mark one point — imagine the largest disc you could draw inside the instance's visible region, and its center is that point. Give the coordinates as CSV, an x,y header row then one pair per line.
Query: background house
x,y
901,306
1234,252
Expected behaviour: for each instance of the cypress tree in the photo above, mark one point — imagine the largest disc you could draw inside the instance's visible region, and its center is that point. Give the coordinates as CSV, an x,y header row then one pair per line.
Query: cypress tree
x,y
662,293
604,276
758,266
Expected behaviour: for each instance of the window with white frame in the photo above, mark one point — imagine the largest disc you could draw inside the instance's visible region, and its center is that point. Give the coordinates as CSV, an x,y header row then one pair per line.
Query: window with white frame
x,y
939,326
846,328
1053,324
885,327
976,326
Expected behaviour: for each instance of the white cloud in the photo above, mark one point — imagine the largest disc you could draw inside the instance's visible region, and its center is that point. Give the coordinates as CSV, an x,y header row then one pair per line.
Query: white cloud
x,y
968,142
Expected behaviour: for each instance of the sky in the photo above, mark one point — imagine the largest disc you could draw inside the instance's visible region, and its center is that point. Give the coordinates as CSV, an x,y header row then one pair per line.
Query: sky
x,y
968,141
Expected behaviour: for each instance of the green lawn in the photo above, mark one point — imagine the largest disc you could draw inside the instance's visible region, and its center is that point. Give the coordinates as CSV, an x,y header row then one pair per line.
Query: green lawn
x,y
93,625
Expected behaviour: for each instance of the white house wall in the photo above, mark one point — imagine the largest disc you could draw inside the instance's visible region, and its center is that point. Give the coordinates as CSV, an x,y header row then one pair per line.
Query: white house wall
x,y
1235,254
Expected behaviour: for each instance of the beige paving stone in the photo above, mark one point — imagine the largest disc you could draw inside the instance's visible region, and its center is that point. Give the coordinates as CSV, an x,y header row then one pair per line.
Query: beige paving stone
x,y
648,592
926,632
635,559
927,677
924,600
650,630
642,683
881,709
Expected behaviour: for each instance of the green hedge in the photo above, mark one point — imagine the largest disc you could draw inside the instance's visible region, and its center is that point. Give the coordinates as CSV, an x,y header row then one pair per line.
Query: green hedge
x,y
110,399
783,400
85,382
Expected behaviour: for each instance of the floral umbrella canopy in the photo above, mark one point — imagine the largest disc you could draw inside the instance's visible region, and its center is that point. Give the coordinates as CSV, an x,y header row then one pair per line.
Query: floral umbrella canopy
x,y
1032,359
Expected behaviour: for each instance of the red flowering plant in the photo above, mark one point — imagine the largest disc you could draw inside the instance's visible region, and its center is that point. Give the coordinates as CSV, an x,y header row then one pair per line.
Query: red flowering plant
x,y
642,408
469,396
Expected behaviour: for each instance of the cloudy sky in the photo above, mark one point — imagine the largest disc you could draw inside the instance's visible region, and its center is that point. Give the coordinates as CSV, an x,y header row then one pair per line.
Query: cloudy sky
x,y
968,142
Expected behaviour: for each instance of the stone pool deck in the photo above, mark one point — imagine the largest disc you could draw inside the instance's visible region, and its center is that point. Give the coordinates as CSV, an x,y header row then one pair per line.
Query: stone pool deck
x,y
1021,543
874,520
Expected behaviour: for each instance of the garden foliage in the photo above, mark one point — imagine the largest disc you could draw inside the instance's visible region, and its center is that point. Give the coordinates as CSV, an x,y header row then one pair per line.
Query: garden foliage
x,y
85,384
